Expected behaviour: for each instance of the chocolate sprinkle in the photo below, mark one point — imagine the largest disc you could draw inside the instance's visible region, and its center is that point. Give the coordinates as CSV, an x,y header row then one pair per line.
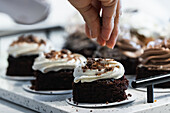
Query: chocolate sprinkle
x,y
28,39
97,64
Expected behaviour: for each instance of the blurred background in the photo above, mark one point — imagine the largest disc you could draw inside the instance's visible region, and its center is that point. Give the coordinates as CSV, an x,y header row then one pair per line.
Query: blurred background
x,y
62,13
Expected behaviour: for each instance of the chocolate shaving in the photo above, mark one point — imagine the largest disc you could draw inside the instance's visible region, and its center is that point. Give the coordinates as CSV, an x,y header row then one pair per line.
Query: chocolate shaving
x,y
59,54
97,64
28,39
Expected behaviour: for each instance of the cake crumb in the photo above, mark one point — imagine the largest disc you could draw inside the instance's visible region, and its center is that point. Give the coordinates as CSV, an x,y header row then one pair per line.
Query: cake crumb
x,y
129,95
155,100
76,110
107,102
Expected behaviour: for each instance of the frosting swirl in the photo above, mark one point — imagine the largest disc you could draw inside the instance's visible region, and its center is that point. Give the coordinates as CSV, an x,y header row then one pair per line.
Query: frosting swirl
x,y
130,48
95,69
157,55
27,45
57,60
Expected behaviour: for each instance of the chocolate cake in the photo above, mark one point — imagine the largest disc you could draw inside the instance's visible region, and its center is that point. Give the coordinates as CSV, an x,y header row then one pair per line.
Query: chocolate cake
x,y
78,42
22,53
54,70
20,66
99,81
61,80
155,61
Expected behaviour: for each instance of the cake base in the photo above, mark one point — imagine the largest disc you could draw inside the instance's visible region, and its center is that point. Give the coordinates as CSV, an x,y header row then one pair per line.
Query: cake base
x,y
20,66
61,80
144,72
100,91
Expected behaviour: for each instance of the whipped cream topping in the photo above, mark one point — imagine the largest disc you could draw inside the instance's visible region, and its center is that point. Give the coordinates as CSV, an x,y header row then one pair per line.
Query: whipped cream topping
x,y
57,60
27,45
157,55
96,69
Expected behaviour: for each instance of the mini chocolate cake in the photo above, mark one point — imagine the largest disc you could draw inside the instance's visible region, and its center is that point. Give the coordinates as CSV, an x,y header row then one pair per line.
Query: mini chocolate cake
x,y
79,43
22,53
97,82
54,70
20,66
62,80
155,61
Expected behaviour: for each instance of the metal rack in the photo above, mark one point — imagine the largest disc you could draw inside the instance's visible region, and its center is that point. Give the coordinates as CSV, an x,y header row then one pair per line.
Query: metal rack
x,y
149,83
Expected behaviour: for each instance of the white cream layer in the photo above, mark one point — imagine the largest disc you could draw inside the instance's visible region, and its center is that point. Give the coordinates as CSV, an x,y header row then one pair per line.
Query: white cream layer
x,y
45,65
90,75
24,48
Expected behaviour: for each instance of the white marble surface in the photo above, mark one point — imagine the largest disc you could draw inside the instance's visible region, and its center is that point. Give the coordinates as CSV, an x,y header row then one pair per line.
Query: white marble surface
x,y
13,91
8,107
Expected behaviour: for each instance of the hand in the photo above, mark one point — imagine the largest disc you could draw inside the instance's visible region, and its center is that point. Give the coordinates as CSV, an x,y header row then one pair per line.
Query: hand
x,y
106,31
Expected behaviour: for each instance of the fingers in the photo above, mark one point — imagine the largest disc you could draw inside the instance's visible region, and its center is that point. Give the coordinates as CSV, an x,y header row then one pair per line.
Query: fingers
x,y
101,41
108,14
111,42
90,15
87,30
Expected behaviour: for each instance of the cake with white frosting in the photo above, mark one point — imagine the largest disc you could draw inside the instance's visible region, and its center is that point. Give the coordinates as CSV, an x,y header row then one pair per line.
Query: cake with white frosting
x,y
54,70
22,53
99,81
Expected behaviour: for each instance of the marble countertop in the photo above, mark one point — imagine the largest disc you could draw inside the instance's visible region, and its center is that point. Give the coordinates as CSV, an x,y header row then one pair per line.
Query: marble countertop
x,y
8,107
12,91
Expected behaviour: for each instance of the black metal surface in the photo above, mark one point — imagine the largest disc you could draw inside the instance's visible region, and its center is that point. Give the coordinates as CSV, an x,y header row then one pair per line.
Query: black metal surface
x,y
149,83
151,80
150,94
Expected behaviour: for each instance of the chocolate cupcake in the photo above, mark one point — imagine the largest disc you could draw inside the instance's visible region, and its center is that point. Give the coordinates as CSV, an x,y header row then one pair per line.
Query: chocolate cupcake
x,y
99,81
78,42
54,70
155,61
22,53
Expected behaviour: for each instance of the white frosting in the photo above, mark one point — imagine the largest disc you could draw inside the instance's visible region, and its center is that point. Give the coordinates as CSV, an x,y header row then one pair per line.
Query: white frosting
x,y
90,74
21,49
45,65
24,48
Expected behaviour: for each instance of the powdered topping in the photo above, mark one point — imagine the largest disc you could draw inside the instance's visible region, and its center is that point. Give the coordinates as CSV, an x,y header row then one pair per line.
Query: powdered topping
x,y
57,60
157,55
95,69
27,45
